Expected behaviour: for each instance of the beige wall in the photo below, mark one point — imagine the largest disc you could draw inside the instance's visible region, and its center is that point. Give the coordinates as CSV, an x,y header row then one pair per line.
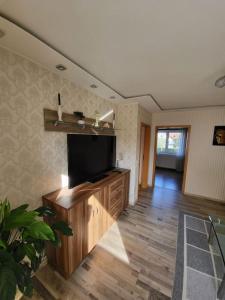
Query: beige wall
x,y
127,117
206,164
32,160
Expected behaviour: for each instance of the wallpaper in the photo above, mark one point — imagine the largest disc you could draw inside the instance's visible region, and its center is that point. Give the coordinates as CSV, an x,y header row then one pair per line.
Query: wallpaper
x,y
127,141
129,118
33,161
206,163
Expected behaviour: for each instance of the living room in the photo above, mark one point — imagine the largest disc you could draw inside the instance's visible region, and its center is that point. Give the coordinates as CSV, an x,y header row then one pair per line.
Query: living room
x,y
86,89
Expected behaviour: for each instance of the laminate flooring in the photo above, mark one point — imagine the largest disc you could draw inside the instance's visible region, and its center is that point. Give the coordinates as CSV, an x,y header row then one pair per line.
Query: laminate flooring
x,y
136,257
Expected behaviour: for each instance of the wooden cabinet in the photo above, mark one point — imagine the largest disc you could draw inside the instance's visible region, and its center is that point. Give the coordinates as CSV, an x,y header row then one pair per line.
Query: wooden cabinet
x,y
90,210
92,221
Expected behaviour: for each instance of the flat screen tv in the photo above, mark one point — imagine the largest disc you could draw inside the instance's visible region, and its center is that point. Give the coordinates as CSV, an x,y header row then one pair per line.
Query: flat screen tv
x,y
89,157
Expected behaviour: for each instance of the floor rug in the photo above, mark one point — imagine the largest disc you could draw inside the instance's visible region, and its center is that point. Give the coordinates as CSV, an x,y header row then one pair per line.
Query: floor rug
x,y
199,267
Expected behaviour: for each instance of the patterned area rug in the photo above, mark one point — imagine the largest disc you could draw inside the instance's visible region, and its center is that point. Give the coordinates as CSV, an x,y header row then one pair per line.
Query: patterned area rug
x,y
199,267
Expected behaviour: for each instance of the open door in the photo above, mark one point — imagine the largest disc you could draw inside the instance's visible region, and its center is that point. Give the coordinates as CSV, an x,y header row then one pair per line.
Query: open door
x,y
171,156
144,155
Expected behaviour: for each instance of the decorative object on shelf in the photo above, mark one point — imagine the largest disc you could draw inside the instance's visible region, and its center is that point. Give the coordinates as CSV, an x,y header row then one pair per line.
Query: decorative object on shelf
x,y
113,123
70,125
106,125
119,158
22,245
219,136
97,117
80,116
59,108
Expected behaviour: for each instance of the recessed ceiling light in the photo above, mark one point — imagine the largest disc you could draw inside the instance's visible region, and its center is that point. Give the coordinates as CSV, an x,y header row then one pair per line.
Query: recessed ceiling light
x,y
112,97
93,86
60,67
2,33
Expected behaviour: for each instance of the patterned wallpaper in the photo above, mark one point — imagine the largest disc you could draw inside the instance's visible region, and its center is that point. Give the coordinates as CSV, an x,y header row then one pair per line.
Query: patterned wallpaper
x,y
127,115
32,160
129,118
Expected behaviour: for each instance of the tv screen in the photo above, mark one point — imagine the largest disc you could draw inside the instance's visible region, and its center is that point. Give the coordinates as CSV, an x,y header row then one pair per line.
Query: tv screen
x,y
89,156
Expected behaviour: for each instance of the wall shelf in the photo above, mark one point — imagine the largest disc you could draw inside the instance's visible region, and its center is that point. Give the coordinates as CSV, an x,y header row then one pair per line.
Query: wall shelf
x,y
70,125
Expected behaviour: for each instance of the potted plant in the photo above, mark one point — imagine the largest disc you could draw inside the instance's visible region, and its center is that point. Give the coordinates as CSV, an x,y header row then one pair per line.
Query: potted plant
x,y
23,236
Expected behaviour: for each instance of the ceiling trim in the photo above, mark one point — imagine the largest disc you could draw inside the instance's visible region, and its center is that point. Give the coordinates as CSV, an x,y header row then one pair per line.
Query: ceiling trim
x,y
195,107
77,64
144,95
95,76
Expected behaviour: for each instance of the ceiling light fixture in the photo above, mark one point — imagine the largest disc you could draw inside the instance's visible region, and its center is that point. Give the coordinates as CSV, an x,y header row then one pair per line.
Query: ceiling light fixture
x,y
220,82
2,33
61,67
93,86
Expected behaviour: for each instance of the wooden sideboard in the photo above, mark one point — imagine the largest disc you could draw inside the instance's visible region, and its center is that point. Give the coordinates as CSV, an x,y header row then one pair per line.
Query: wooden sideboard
x,y
90,210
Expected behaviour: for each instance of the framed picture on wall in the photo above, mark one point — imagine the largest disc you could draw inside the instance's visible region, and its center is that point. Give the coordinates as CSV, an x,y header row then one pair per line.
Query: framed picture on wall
x,y
219,136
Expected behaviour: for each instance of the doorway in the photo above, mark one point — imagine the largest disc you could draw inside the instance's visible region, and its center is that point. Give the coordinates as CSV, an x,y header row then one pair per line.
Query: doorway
x,y
144,155
171,157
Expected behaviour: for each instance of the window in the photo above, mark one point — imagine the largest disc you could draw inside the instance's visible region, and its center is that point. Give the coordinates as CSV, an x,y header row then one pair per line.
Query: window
x,y
168,142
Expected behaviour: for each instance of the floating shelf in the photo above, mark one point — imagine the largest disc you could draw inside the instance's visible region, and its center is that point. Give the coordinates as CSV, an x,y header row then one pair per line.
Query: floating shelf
x,y
70,125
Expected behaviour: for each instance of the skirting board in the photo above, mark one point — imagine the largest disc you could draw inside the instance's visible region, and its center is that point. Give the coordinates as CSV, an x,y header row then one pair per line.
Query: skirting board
x,y
204,197
200,197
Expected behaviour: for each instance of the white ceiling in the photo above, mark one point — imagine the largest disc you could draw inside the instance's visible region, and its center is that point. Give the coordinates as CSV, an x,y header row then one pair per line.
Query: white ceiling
x,y
173,50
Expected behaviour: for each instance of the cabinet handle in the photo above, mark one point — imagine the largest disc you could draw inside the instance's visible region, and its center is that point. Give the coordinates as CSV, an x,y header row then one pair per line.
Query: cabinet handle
x,y
97,210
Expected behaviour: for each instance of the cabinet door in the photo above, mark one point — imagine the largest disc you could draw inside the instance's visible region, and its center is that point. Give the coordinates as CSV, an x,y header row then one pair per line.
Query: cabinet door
x,y
92,225
102,212
75,242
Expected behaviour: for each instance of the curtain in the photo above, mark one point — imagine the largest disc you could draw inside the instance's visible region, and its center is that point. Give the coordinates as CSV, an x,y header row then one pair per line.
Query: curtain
x,y
180,154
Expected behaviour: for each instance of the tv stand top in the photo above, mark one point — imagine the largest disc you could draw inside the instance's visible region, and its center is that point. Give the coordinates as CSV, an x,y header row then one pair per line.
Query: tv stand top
x,y
67,198
99,177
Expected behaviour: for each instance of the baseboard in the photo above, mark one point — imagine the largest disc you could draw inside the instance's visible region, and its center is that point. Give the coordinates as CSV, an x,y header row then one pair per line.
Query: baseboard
x,y
204,197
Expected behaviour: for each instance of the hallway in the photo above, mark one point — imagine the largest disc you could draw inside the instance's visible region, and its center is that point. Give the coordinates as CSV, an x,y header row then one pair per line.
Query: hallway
x,y
168,179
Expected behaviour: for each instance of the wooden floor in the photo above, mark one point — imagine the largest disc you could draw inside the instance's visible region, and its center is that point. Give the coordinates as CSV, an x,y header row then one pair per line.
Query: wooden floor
x,y
136,258
168,179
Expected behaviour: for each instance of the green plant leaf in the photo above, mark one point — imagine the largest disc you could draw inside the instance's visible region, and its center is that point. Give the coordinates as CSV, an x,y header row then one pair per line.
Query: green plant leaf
x,y
63,228
6,258
19,253
2,244
39,246
20,208
45,211
24,280
7,283
29,251
57,241
35,263
4,209
39,230
19,218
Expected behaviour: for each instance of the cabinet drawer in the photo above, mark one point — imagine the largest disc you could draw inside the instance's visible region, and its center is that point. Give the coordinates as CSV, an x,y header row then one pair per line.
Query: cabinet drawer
x,y
116,210
116,201
116,196
116,185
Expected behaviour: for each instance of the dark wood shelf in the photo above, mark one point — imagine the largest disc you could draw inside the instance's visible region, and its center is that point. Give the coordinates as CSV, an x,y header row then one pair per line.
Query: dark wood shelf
x,y
70,125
